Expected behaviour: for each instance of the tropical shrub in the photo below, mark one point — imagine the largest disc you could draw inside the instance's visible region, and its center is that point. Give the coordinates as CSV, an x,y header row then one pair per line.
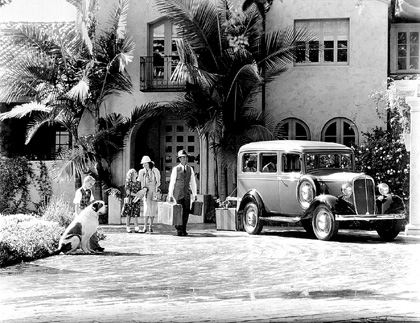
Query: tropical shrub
x,y
25,237
15,176
58,210
386,160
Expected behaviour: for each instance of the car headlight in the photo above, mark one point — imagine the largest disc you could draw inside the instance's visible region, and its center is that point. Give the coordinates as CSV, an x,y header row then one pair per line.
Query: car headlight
x,y
383,188
347,189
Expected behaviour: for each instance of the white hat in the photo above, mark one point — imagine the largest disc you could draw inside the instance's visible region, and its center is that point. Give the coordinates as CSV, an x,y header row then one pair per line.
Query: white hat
x,y
146,159
182,152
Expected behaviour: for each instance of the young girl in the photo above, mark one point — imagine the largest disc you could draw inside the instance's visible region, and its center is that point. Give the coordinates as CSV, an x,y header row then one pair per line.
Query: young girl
x,y
134,194
149,177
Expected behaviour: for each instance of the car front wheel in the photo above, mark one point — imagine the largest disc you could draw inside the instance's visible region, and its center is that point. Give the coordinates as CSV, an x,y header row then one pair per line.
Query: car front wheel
x,y
251,219
324,224
388,230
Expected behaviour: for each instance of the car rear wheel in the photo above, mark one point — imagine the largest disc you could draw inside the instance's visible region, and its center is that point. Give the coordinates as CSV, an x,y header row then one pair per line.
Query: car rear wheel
x,y
388,230
251,219
324,224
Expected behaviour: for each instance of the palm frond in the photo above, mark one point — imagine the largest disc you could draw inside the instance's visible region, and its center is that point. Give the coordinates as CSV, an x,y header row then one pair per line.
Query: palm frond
x,y
118,19
23,110
33,75
79,160
281,49
145,111
37,122
188,69
197,21
244,81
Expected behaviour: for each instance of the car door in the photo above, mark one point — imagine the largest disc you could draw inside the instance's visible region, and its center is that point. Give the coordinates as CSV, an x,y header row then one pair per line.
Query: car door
x,y
290,172
268,180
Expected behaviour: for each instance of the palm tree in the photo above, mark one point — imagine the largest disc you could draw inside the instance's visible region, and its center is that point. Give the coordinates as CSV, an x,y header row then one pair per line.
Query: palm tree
x,y
95,153
226,56
67,70
263,6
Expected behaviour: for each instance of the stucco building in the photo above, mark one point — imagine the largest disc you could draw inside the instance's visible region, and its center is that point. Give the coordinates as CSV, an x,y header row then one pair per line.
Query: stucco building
x,y
324,95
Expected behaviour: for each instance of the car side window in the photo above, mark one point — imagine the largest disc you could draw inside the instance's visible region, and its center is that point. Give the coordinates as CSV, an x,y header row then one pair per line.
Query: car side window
x,y
291,163
249,162
268,163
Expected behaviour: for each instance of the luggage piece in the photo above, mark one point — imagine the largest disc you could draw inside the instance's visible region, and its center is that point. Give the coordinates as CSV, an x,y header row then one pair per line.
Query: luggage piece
x,y
227,219
196,208
170,213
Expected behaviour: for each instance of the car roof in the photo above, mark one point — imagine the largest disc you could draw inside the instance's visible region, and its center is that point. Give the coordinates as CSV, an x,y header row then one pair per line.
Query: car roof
x,y
294,145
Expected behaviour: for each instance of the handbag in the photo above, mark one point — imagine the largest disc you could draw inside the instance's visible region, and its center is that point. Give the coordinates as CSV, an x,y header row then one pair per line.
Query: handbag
x,y
157,196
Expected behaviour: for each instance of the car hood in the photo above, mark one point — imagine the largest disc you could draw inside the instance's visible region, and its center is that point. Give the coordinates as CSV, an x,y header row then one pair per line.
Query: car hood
x,y
329,176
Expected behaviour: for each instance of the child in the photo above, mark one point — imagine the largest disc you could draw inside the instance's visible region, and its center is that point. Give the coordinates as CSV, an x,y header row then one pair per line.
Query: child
x,y
134,194
82,198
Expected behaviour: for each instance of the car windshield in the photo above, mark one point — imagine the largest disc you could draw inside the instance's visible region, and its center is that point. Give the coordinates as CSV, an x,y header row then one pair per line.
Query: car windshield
x,y
317,161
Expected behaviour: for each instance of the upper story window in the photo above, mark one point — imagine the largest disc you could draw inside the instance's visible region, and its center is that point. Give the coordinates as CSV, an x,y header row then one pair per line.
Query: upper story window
x,y
293,129
340,130
404,48
156,69
331,43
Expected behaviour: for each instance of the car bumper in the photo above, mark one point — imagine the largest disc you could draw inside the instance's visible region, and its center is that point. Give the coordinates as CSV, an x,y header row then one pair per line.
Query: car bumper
x,y
369,217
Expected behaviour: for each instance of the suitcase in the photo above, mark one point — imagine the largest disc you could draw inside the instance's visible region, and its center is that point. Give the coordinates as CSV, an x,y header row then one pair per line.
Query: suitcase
x,y
170,213
196,208
227,219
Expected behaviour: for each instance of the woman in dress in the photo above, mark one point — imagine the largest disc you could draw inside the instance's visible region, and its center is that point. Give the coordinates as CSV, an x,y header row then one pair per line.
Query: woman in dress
x,y
134,194
149,178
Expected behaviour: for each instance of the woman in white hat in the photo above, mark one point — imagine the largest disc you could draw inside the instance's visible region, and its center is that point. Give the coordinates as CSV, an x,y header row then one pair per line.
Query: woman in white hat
x,y
149,177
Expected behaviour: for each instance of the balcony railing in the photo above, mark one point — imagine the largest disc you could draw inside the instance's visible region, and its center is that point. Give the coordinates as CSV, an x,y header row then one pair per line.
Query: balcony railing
x,y
155,74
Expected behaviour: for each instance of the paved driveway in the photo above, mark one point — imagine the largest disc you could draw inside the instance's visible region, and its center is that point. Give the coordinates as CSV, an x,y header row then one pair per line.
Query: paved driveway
x,y
281,275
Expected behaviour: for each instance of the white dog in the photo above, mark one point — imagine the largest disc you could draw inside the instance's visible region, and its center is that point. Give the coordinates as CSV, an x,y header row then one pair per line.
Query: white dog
x,y
79,232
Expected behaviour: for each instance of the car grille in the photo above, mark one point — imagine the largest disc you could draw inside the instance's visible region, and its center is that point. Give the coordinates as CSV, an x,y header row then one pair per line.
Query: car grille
x,y
364,195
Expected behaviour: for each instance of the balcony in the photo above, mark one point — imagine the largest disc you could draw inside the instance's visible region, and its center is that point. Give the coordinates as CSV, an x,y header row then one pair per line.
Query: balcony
x,y
155,74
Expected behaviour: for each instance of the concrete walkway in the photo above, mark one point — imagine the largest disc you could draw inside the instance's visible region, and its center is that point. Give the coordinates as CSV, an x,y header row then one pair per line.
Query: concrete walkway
x,y
282,275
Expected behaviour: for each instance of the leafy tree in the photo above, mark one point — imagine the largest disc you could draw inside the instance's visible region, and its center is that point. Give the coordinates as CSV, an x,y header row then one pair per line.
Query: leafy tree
x,y
68,70
383,154
225,58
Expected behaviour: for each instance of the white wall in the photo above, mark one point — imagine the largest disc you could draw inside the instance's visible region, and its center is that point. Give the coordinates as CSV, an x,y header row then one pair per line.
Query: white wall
x,y
315,94
64,188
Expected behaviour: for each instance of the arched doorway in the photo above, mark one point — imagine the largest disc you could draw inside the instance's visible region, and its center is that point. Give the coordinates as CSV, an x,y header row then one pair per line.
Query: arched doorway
x,y
161,139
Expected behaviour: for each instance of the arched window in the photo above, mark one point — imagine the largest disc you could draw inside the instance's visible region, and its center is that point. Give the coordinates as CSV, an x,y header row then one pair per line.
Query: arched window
x,y
293,129
340,130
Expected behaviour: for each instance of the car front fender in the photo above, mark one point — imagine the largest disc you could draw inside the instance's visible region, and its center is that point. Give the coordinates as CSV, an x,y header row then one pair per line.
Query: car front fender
x,y
330,201
387,204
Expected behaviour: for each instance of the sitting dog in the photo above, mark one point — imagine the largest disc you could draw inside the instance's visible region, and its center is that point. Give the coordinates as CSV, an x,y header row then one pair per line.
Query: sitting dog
x,y
81,229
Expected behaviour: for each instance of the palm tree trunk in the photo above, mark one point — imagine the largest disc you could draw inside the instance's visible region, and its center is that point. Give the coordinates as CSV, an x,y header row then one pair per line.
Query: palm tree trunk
x,y
264,54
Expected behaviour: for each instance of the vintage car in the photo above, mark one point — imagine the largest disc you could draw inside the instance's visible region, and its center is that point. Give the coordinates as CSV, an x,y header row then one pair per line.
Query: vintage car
x,y
315,184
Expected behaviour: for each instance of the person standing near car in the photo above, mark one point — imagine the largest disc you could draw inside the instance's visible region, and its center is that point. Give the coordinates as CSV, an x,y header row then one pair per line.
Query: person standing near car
x,y
182,187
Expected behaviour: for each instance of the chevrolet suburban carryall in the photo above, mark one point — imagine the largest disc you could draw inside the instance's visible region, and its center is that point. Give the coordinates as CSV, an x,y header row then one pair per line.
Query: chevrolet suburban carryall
x,y
315,184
